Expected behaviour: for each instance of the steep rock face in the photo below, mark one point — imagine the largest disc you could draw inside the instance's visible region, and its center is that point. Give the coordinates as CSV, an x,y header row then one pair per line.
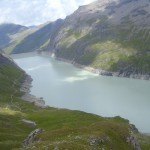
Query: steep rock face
x,y
112,35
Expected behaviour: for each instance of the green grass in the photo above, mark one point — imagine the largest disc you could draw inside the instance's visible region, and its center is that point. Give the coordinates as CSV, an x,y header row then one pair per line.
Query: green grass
x,y
109,47
64,126
17,40
64,129
113,56
110,55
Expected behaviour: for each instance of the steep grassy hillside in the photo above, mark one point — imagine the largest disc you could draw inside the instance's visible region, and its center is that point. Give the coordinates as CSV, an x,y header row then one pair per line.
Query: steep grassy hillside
x,y
17,38
27,39
38,40
109,35
7,33
63,129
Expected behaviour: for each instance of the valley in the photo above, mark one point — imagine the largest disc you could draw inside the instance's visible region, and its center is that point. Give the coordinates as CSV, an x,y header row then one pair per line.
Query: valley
x,y
99,35
80,82
61,128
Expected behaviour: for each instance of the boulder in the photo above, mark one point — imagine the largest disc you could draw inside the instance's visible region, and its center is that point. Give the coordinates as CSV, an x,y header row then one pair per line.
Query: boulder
x,y
32,137
133,141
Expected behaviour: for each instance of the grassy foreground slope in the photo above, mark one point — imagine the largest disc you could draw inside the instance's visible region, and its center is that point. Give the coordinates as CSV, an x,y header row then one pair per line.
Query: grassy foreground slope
x,y
64,129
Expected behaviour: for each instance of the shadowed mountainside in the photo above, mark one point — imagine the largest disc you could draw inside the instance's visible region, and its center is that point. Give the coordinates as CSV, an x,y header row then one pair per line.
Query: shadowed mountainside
x,y
38,40
7,31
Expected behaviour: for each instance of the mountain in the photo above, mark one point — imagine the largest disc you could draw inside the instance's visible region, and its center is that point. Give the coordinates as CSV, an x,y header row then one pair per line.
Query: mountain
x,y
111,36
8,32
38,39
18,37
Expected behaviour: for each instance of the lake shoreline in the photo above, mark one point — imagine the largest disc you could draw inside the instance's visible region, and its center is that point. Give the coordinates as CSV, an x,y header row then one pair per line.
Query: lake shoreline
x,y
39,102
33,99
25,88
99,72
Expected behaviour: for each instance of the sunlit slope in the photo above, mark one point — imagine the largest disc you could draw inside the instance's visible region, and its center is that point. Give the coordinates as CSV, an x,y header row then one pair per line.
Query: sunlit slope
x,y
8,32
17,39
109,35
38,40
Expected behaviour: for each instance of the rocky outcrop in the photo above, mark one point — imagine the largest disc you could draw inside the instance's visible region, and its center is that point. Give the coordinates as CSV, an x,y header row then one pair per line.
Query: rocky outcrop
x,y
33,99
125,74
95,141
133,141
32,137
25,88
40,103
29,123
132,138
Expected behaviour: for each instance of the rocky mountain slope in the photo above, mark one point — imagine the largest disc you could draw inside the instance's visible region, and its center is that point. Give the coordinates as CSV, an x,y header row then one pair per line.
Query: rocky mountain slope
x,y
26,126
38,40
7,33
33,39
111,36
12,34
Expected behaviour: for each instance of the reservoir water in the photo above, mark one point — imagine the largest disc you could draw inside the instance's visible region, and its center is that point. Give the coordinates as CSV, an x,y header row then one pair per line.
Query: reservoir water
x,y
65,86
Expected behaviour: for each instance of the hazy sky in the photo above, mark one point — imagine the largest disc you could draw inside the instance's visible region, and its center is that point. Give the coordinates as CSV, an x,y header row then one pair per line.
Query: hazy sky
x,y
33,12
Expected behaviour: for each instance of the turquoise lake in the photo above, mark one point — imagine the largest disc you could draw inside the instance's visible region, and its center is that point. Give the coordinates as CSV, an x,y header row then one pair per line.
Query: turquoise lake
x,y
64,86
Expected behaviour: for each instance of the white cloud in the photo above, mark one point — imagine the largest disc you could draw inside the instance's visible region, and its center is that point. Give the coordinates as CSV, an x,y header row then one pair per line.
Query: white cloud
x,y
84,2
33,12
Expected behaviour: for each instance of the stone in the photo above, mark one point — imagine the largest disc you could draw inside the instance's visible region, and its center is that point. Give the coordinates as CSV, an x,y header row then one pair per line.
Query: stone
x,y
95,141
133,128
32,137
29,123
133,141
40,103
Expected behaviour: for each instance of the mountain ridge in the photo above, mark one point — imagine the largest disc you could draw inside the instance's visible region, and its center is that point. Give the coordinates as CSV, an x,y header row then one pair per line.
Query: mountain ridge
x,y
96,41
112,35
7,30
